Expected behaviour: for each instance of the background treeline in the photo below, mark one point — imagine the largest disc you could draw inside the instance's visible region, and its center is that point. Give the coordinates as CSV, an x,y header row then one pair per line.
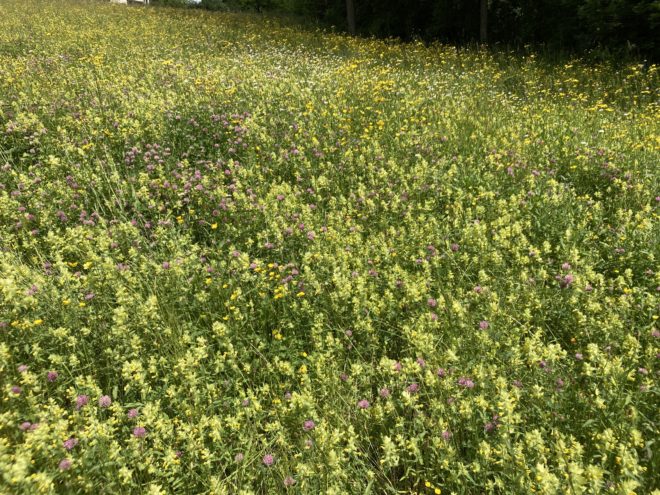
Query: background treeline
x,y
630,25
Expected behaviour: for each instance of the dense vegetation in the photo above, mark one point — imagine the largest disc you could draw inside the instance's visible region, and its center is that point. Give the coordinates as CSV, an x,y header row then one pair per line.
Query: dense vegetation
x,y
241,258
622,26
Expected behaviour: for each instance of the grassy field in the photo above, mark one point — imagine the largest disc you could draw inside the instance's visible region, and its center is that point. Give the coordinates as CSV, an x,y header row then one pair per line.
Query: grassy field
x,y
242,258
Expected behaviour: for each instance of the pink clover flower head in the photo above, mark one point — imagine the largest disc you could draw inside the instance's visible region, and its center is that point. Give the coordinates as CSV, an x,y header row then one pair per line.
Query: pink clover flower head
x,y
105,401
22,368
465,382
432,302
81,401
289,481
65,464
566,280
139,432
454,247
484,324
446,435
384,392
268,460
25,426
132,413
441,373
309,425
239,457
363,404
16,390
413,388
51,376
70,443
421,362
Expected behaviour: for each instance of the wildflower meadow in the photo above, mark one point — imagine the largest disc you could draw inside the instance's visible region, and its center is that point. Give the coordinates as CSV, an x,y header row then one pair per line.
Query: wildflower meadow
x,y
240,256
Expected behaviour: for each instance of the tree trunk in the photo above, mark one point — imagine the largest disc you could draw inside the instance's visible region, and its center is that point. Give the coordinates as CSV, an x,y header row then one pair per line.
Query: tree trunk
x,y
350,16
483,22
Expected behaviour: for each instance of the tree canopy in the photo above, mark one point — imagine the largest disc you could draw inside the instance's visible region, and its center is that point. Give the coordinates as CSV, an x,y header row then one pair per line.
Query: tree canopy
x,y
563,24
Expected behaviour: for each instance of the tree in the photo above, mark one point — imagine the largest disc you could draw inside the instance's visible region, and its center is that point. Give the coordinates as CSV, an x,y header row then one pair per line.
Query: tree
x,y
350,16
483,21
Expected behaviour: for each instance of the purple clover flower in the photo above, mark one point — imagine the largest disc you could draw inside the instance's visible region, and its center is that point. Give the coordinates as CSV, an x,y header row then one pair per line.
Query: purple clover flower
x,y
268,460
81,401
70,443
289,481
105,401
309,425
465,382
139,432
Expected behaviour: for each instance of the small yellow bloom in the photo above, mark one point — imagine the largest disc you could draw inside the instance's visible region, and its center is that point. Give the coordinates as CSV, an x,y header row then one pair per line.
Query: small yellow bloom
x,y
214,226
